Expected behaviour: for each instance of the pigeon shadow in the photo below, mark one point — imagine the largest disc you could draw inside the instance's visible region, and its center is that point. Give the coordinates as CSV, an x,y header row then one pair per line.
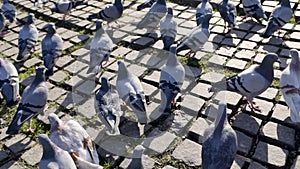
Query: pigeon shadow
x,y
131,4
286,134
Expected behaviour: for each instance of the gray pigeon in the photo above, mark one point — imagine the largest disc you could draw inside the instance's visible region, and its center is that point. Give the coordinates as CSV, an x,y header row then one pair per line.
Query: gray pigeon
x,y
203,9
65,6
290,85
83,164
33,102
254,9
72,137
157,11
252,81
171,80
136,162
281,15
2,23
197,38
108,107
9,82
100,49
110,13
54,157
52,46
146,4
9,11
228,13
28,38
168,29
220,143
131,92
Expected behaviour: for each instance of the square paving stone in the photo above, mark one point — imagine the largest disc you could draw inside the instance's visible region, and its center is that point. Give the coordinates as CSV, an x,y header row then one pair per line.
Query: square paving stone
x,y
226,51
76,67
231,98
255,165
245,54
192,72
212,77
217,60
80,52
69,100
268,48
3,155
247,122
247,45
62,61
202,90
196,132
151,61
19,143
147,162
136,69
87,87
236,64
55,93
270,154
158,140
192,104
279,132
33,155
59,76
74,81
87,109
216,38
281,112
264,106
244,142
178,123
120,51
269,94
153,76
189,152
149,90
32,62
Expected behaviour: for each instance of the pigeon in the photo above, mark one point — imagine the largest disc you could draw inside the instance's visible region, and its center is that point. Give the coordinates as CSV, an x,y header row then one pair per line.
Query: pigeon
x,y
220,143
203,9
171,80
100,49
83,164
65,6
146,4
52,46
252,81
110,13
72,137
157,11
108,107
197,38
53,156
279,17
228,13
254,9
2,23
290,85
40,3
33,102
168,29
131,92
9,82
136,162
9,11
28,38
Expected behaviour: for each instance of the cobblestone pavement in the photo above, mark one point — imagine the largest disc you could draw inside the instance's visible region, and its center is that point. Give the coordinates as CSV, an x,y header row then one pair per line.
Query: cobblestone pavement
x,y
266,139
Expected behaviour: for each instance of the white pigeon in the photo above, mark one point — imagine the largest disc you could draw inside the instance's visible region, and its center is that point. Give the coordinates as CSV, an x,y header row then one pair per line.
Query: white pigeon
x,y
168,29
203,9
220,143
252,81
33,102
53,156
157,11
72,137
100,49
171,80
131,92
281,15
290,85
9,82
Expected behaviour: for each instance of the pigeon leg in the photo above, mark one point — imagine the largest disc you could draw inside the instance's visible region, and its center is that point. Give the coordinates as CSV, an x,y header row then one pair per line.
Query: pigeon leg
x,y
30,129
19,97
253,107
105,63
244,17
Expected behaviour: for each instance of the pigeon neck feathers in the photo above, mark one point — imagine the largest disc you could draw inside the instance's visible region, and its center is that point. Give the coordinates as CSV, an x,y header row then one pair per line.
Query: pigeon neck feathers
x,y
286,3
119,5
266,67
104,84
48,147
222,121
172,61
205,23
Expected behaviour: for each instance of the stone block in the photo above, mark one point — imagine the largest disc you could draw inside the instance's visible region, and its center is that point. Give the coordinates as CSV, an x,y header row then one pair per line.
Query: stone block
x,y
189,152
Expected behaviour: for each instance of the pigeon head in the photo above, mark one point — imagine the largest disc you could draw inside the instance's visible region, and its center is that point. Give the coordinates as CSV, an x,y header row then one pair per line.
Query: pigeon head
x,y
221,119
30,18
40,71
295,57
270,58
54,120
170,11
51,29
44,139
5,1
104,83
286,3
48,151
98,25
163,2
